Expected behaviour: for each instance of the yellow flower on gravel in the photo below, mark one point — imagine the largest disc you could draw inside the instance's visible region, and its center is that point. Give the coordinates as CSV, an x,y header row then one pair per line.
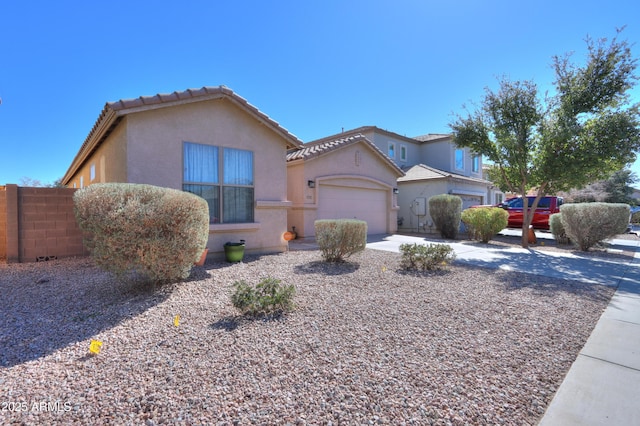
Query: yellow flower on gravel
x,y
176,320
95,346
384,269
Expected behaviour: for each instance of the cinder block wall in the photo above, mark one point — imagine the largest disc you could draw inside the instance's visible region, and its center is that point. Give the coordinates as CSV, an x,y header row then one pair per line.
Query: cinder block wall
x,y
40,224
3,224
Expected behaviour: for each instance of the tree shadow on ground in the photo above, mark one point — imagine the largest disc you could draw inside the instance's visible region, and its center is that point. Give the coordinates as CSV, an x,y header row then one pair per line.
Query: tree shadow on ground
x,y
50,305
589,269
550,287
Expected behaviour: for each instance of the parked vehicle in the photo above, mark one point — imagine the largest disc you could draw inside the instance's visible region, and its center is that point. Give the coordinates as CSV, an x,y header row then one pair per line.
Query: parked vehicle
x,y
546,207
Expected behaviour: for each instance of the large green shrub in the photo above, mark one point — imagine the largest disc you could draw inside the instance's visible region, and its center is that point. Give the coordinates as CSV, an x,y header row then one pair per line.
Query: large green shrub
x,y
587,224
557,229
484,222
445,211
153,231
425,257
267,297
340,238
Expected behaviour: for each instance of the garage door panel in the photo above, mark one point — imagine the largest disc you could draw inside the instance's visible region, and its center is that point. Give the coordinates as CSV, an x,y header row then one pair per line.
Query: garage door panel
x,y
370,205
470,200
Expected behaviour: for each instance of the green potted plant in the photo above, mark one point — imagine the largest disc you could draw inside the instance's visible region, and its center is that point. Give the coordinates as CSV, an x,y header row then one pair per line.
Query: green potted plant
x,y
234,252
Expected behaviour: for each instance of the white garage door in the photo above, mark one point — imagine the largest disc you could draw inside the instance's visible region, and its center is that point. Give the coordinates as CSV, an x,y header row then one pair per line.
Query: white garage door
x,y
370,205
470,200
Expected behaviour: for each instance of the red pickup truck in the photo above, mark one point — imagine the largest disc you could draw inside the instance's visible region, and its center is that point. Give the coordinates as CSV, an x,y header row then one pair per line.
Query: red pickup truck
x,y
546,207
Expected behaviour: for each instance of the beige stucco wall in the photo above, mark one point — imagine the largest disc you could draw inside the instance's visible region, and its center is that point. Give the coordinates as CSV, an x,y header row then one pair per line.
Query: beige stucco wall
x,y
155,156
109,160
354,166
147,147
301,197
382,140
441,155
410,191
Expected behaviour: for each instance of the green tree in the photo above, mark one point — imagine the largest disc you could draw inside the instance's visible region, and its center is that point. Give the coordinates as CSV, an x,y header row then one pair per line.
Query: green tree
x,y
583,133
618,187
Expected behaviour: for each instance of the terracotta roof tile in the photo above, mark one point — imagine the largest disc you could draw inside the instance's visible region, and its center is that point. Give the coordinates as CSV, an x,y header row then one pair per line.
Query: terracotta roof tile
x,y
323,146
113,111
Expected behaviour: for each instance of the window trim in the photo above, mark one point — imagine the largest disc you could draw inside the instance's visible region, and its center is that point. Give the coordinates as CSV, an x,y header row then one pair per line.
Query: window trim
x,y
475,163
391,149
455,158
219,185
403,152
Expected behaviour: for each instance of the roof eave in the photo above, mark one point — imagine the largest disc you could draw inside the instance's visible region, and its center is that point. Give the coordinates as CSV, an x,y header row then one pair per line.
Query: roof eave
x,y
104,124
113,111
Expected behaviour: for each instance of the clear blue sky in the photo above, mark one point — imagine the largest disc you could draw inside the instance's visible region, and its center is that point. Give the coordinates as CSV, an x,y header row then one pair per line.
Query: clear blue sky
x,y
314,66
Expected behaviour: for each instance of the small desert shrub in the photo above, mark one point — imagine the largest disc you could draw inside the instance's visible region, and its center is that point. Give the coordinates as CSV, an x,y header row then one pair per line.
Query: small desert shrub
x,y
425,257
267,297
340,238
445,210
589,223
557,229
484,222
145,229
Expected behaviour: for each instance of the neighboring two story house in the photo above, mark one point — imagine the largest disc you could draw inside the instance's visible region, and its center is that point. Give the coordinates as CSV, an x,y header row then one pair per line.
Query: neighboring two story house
x,y
433,165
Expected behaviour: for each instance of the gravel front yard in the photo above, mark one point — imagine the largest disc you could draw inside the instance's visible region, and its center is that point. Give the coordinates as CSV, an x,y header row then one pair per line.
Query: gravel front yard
x,y
367,344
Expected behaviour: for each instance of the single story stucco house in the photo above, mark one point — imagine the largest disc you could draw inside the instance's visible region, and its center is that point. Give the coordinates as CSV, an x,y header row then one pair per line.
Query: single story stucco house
x,y
258,178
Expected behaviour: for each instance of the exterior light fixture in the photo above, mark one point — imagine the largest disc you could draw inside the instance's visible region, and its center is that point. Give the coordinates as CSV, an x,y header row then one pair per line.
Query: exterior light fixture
x,y
395,190
311,184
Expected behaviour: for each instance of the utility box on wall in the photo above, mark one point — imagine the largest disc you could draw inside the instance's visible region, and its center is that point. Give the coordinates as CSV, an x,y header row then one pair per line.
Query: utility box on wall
x,y
420,206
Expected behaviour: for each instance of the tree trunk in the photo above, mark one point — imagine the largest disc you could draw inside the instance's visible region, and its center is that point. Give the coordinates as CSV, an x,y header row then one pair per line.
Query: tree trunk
x,y
527,214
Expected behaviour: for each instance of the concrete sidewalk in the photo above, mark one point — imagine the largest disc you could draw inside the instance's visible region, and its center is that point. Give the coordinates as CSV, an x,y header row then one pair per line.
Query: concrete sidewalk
x,y
601,385
601,388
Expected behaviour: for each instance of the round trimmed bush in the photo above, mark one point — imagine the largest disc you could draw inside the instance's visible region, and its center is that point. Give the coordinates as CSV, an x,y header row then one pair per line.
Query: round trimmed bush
x,y
587,224
484,222
557,229
340,238
153,231
445,211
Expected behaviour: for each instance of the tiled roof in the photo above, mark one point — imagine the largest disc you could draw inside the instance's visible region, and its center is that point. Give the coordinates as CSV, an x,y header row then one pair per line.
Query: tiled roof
x,y
422,172
363,129
432,137
114,111
323,146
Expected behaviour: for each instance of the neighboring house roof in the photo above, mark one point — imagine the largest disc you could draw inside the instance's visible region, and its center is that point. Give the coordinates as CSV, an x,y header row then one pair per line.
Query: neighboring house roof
x,y
421,172
363,129
317,148
432,137
113,112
